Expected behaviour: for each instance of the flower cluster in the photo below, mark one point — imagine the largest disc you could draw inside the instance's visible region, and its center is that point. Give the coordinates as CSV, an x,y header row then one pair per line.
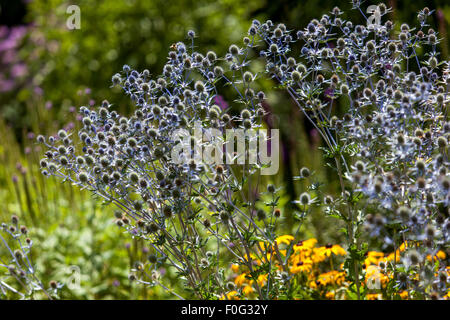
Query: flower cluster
x,y
314,268
381,274
130,162
302,270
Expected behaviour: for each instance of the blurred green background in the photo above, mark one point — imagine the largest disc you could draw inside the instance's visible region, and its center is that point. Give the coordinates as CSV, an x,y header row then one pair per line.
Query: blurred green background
x,y
47,71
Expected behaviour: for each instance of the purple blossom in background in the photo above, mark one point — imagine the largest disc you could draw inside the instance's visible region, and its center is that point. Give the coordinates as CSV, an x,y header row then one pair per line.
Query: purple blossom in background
x,y
38,91
328,93
6,84
18,70
69,126
11,68
220,101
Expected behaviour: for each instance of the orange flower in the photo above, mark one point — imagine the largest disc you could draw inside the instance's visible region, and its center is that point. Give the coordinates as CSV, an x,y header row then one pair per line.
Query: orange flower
x,y
248,289
305,247
404,245
299,265
440,255
318,255
241,279
262,280
310,243
333,248
374,296
313,284
373,257
286,239
232,295
331,278
329,295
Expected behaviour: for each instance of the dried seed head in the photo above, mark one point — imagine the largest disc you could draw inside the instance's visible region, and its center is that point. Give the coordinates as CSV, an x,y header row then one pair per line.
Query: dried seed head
x,y
430,231
344,89
234,50
261,214
304,172
14,219
414,257
305,198
83,177
296,76
277,213
420,165
245,114
167,211
359,165
199,86
442,142
18,254
421,183
224,216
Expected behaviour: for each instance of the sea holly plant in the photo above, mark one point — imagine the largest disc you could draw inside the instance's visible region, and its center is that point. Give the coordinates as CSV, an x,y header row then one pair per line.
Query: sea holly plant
x,y
390,147
200,203
19,278
166,170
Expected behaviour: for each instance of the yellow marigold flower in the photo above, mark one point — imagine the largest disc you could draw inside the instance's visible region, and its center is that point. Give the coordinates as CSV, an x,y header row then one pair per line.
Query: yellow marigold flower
x,y
440,255
305,247
329,295
232,295
262,280
301,266
310,243
248,289
265,247
332,277
240,279
313,284
318,255
333,248
286,239
374,296
403,246
390,257
373,257
253,258
403,295
235,267
299,255
400,249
